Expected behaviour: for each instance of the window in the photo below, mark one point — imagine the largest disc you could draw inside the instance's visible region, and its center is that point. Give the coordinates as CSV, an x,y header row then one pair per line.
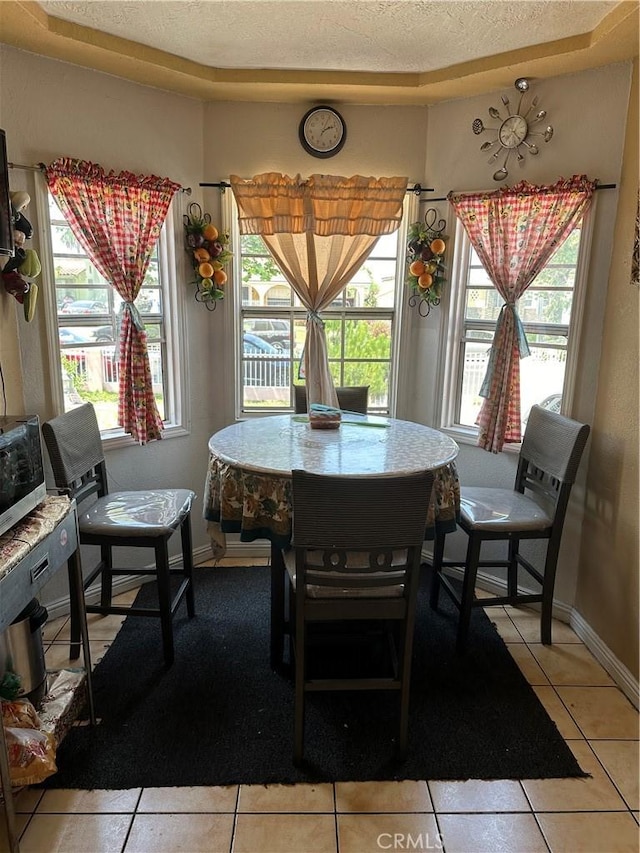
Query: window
x,y
88,312
549,310
362,326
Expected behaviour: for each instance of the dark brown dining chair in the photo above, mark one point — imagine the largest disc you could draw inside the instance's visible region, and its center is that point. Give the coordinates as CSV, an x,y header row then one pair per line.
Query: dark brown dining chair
x,y
356,556
139,519
534,509
351,398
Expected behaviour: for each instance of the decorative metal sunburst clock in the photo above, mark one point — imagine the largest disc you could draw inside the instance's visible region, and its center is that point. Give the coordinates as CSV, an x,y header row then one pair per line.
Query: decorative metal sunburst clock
x,y
514,133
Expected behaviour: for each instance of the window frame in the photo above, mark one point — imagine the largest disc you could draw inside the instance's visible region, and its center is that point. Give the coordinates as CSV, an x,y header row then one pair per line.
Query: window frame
x,y
449,386
235,312
174,352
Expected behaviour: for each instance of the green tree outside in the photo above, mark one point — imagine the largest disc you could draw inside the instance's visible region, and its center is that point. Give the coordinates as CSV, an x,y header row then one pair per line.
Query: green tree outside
x,y
367,349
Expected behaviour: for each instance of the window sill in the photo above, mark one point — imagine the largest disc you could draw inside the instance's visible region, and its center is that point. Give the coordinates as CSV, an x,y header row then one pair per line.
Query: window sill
x,y
116,440
465,435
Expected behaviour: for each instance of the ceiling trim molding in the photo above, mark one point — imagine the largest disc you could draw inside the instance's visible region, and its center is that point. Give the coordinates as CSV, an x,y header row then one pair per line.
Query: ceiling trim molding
x,y
25,25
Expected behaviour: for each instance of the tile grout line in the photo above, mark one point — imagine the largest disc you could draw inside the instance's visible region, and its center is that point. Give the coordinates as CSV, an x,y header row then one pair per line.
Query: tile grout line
x,y
234,822
542,832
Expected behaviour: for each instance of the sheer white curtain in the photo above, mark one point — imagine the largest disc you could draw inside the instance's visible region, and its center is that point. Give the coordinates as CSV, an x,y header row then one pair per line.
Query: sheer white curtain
x,y
319,232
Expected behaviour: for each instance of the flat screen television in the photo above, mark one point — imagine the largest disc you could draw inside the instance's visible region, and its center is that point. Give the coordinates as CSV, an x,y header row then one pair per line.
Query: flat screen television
x,y
6,224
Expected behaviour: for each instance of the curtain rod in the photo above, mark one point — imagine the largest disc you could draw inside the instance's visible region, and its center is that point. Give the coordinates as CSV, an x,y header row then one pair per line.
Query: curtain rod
x,y
40,168
416,189
446,198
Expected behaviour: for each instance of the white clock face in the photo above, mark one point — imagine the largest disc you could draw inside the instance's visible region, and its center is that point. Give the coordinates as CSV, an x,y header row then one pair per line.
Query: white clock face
x,y
513,131
323,131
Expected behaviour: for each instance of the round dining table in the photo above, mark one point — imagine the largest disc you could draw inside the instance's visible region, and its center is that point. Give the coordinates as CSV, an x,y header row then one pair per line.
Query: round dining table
x,y
248,485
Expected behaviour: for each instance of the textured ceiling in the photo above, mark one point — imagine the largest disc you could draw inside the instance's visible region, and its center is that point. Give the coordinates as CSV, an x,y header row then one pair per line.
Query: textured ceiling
x,y
388,36
343,51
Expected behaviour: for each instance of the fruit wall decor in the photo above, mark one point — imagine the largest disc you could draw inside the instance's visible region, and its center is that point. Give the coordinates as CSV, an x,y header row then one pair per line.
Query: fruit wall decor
x,y
19,272
425,267
210,252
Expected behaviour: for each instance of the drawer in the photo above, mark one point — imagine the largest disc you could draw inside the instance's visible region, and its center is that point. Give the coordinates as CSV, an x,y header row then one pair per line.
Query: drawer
x,y
26,580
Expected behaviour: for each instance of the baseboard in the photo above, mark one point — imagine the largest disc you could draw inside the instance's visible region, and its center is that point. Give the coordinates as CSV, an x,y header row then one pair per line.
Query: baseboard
x,y
60,606
247,549
622,676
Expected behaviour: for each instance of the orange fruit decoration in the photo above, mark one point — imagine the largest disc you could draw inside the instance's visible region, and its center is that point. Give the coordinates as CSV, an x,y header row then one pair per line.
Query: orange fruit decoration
x,y
219,276
425,281
417,268
437,246
201,255
210,232
206,270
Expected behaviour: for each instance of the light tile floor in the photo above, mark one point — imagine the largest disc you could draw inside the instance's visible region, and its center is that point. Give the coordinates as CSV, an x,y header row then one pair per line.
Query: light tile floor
x,y
593,815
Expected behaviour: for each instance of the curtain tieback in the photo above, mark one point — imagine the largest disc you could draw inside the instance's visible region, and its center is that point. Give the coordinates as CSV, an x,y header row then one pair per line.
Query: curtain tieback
x,y
314,317
133,312
523,343
521,337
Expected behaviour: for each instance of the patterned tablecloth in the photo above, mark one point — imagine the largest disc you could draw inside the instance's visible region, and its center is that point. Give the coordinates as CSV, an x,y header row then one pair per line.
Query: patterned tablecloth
x,y
248,483
26,534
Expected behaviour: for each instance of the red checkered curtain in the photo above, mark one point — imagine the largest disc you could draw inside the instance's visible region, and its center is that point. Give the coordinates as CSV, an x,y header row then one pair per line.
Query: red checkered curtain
x,y
117,219
514,231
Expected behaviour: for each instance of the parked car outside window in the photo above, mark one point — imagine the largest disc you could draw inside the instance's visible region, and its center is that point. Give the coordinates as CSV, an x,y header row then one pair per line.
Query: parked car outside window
x,y
256,345
276,332
104,334
84,306
67,336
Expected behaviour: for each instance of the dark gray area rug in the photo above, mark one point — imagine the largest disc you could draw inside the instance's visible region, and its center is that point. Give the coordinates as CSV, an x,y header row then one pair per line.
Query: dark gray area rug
x,y
221,716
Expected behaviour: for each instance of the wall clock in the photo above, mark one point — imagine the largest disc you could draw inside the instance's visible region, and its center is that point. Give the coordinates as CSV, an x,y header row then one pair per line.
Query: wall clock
x,y
515,133
322,131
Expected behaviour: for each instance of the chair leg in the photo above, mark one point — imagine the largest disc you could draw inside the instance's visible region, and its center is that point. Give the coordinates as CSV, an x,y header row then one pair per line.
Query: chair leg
x,y
468,587
290,619
438,556
187,564
405,676
74,616
512,569
106,578
299,643
277,606
548,584
164,600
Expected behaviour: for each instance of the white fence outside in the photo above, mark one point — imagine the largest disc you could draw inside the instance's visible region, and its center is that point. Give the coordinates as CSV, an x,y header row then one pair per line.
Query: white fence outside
x,y
541,375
